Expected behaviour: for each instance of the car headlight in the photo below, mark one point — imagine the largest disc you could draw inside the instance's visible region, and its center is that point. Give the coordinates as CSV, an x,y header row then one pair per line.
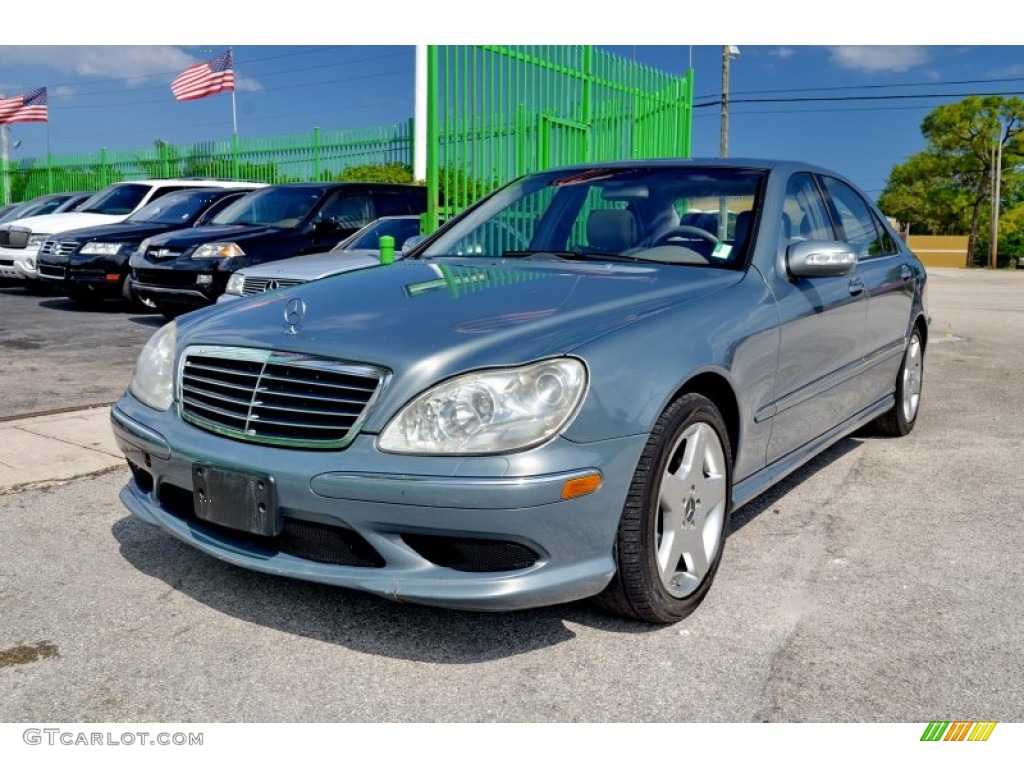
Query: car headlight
x,y
493,411
153,382
217,251
235,284
37,240
101,249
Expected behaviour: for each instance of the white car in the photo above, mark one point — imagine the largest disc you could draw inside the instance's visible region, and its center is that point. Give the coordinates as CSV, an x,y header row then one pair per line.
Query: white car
x,y
358,251
20,239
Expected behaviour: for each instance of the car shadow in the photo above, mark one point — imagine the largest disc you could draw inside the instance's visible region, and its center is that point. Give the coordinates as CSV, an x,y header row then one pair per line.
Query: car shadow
x,y
359,621
767,500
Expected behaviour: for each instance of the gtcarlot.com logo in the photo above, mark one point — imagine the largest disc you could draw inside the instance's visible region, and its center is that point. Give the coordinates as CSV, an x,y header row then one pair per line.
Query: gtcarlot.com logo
x,y
959,730
55,736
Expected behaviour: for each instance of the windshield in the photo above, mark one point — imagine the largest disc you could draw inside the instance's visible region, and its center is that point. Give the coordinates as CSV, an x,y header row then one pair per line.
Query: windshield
x,y
367,238
668,215
175,208
118,200
284,207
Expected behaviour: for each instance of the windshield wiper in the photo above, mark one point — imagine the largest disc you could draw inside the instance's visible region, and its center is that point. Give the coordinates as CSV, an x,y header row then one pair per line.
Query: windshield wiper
x,y
568,255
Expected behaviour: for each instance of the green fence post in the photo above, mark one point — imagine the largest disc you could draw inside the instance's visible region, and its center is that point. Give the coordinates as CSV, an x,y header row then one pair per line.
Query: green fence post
x,y
104,169
316,153
234,156
433,141
49,174
165,160
588,101
5,181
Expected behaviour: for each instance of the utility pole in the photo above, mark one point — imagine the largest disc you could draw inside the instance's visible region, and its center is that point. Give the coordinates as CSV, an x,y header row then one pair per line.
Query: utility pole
x,y
996,183
729,52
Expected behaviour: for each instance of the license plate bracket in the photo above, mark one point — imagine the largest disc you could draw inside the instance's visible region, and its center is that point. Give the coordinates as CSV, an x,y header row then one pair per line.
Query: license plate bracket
x,y
242,501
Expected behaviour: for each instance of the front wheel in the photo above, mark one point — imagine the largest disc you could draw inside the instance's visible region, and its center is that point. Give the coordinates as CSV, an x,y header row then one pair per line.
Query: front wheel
x,y
674,523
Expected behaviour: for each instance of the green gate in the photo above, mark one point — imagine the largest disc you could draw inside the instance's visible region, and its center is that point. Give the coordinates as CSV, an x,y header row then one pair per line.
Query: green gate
x,y
497,112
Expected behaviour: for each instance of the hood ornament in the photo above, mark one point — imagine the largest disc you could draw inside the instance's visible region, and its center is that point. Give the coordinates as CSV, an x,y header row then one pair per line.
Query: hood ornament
x,y
294,312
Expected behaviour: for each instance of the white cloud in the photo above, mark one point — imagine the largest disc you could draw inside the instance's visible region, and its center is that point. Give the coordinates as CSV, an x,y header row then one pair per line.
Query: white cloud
x,y
879,58
64,92
134,63
782,52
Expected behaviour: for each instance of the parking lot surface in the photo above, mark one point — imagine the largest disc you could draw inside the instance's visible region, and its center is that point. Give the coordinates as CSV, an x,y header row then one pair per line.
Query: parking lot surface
x,y
881,582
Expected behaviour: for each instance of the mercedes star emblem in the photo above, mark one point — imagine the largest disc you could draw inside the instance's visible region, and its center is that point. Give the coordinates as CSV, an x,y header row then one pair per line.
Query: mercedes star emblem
x,y
294,311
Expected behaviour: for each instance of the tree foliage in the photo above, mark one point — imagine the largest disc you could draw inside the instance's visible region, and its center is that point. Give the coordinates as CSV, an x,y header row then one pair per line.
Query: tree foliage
x,y
947,187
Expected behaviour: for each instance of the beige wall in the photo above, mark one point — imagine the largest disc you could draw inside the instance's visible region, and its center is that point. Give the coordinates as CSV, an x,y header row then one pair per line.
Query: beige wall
x,y
940,250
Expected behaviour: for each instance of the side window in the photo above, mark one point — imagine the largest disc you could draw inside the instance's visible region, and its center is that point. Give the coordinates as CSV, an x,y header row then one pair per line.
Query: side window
x,y
859,224
161,191
349,211
391,204
804,215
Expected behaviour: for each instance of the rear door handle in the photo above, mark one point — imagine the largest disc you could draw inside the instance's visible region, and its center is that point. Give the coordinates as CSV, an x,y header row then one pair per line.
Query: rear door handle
x,y
906,273
856,286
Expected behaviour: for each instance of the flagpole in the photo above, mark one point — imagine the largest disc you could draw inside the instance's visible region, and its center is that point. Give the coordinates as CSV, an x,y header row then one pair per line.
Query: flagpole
x,y
234,122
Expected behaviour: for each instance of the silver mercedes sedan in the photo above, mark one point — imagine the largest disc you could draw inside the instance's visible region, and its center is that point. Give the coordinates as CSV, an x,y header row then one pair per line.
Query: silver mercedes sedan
x,y
563,393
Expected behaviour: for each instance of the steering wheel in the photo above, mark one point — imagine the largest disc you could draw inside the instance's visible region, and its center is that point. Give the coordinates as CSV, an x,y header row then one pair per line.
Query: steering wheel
x,y
681,231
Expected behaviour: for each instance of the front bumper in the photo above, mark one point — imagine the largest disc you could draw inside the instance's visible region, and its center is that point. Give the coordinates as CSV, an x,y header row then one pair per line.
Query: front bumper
x,y
18,263
390,503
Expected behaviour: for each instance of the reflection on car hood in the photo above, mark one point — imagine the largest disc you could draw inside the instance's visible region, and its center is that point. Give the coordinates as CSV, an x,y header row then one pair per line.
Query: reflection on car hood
x,y
427,320
314,265
212,233
62,222
124,230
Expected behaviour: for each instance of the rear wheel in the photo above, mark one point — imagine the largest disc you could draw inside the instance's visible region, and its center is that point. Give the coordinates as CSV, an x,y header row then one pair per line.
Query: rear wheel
x,y
674,523
901,419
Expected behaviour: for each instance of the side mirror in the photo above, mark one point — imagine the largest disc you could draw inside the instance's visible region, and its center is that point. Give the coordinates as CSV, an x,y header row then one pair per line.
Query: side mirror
x,y
820,258
324,227
411,242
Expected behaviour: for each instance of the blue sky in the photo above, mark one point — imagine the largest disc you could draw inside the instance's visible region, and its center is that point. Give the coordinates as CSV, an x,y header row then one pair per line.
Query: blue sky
x,y
119,97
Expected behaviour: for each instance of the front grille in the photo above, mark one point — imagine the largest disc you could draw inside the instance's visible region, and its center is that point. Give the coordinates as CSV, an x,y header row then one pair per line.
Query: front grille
x,y
170,278
5,237
253,285
472,555
164,253
330,544
278,398
60,250
50,270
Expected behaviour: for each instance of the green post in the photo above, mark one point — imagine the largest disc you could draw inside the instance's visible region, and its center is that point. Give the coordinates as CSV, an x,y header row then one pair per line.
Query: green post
x,y
165,160
316,153
5,180
588,101
687,138
49,173
433,142
234,156
387,249
104,167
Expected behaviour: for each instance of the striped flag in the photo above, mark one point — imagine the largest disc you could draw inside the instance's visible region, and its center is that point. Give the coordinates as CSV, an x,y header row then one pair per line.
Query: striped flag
x,y
27,108
205,79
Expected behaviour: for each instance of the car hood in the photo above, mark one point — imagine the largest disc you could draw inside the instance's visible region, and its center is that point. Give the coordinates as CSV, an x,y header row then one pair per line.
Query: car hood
x,y
314,266
53,223
124,231
212,233
425,321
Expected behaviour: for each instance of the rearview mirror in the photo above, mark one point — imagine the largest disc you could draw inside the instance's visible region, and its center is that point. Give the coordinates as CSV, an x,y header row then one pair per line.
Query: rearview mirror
x,y
820,258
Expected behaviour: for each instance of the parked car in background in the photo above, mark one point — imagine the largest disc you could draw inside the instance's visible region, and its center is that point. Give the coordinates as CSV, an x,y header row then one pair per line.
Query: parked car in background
x,y
21,239
188,269
91,264
40,206
484,425
356,252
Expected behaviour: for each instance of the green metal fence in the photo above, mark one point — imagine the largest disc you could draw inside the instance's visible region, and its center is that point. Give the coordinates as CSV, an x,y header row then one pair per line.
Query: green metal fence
x,y
316,155
496,112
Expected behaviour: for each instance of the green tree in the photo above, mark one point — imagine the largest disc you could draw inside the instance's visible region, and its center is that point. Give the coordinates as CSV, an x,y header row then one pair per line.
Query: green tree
x,y
947,187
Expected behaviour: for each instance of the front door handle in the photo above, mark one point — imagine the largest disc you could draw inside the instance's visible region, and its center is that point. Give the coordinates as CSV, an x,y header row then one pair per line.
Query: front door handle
x,y
856,286
906,273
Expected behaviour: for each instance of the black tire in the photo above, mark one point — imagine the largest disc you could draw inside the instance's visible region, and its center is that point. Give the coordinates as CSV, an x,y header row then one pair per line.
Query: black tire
x,y
900,420
132,300
639,590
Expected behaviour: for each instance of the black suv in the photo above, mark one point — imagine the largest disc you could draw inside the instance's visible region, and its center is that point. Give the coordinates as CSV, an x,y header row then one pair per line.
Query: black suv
x,y
184,270
91,264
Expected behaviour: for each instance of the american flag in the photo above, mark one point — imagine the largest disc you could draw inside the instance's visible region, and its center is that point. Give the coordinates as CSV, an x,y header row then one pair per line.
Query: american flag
x,y
27,108
205,79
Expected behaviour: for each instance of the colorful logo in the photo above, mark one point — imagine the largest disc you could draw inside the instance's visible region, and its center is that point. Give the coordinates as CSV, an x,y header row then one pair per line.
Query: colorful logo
x,y
960,730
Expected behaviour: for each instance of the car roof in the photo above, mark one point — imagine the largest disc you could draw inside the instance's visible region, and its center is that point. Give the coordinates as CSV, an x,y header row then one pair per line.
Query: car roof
x,y
700,162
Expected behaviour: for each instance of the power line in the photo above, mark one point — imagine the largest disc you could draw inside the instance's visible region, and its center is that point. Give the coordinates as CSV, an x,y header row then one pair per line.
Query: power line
x,y
884,97
874,86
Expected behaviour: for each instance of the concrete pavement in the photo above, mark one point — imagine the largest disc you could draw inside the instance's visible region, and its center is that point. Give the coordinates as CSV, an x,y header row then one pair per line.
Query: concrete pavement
x,y
42,449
